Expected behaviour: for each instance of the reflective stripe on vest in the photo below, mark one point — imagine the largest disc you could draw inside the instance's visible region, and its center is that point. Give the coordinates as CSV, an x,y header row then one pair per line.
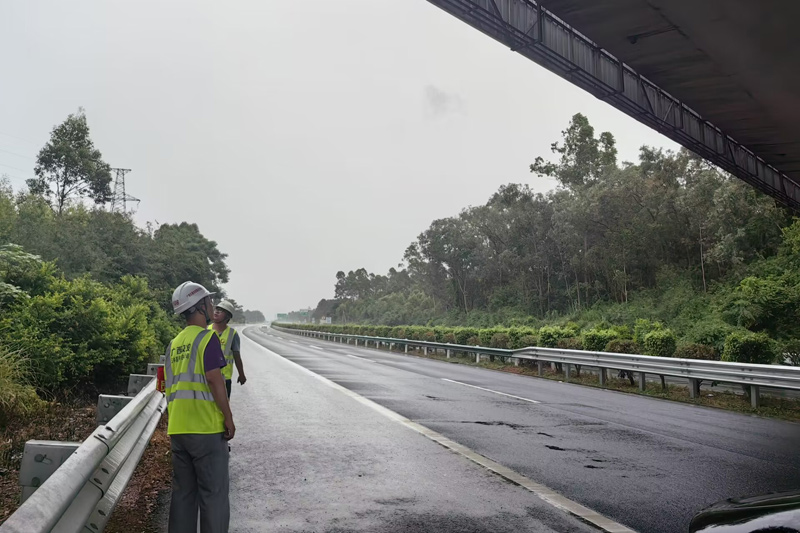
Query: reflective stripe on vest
x,y
227,350
192,409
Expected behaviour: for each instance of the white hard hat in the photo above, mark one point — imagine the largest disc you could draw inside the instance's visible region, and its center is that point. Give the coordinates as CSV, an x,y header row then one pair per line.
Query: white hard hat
x,y
227,306
187,295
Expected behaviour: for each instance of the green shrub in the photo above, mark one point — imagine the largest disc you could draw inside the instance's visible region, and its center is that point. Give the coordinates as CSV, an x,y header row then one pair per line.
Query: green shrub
x,y
642,327
428,335
473,341
381,331
499,340
712,332
526,341
549,335
595,340
570,343
660,343
449,337
464,335
790,351
623,346
623,332
697,351
747,347
485,335
515,336
440,332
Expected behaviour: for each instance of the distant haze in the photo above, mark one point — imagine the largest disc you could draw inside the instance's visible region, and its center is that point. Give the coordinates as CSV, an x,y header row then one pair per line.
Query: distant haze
x,y
304,137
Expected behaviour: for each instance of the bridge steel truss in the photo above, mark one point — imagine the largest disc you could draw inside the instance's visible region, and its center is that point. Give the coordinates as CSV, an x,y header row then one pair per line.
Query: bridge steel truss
x,y
531,30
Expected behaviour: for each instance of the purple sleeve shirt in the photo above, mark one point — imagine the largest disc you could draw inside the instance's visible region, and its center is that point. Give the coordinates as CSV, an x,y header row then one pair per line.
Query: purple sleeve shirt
x,y
212,357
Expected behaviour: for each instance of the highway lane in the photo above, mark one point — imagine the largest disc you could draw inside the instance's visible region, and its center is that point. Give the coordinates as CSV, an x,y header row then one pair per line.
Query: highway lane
x,y
647,463
309,458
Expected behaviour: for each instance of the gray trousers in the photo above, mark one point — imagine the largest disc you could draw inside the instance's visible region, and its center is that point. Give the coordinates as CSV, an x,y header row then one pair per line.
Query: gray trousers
x,y
200,480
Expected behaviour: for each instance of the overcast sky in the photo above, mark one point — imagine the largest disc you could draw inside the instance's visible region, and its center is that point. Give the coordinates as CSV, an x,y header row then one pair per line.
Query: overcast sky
x,y
305,137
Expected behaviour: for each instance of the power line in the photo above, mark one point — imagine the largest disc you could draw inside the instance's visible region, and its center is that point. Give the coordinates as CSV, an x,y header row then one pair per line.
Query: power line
x,y
16,154
15,168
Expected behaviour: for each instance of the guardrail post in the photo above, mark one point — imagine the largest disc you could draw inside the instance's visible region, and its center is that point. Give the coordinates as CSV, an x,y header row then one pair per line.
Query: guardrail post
x,y
540,367
477,357
694,388
755,396
663,383
108,405
602,373
516,361
406,347
39,460
566,371
448,353
136,383
425,350
642,380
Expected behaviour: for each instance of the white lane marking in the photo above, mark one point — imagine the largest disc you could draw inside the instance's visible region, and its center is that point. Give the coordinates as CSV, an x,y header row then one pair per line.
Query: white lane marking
x,y
494,391
545,493
293,342
360,358
317,347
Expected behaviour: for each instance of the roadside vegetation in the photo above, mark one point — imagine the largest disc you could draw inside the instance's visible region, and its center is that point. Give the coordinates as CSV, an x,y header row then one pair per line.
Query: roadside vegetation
x,y
666,256
84,296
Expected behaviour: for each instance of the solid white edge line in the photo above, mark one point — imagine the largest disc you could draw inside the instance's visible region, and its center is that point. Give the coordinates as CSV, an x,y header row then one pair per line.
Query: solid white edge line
x,y
493,391
543,492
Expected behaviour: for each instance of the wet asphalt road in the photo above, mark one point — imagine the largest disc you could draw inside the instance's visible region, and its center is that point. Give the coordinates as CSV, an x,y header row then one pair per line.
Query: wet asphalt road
x,y
306,457
646,463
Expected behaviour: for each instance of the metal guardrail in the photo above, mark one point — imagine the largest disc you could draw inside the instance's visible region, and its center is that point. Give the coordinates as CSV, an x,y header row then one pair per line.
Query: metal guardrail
x,y
751,376
80,494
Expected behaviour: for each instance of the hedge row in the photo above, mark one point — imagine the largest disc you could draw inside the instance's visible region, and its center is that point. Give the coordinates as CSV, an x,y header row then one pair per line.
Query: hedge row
x,y
649,338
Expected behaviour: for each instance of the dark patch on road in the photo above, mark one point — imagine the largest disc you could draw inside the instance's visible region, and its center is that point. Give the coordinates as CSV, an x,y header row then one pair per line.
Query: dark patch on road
x,y
502,522
557,448
397,501
545,434
496,423
592,466
436,398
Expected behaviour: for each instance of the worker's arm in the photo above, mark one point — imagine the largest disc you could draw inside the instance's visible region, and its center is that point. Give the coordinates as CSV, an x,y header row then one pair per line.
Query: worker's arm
x,y
216,382
237,359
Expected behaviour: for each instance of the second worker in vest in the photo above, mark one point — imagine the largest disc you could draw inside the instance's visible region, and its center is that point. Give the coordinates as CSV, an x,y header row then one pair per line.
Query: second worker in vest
x,y
231,344
200,420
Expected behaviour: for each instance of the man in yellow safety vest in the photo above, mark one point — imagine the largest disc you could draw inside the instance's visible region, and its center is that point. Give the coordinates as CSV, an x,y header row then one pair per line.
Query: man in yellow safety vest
x,y
200,419
231,344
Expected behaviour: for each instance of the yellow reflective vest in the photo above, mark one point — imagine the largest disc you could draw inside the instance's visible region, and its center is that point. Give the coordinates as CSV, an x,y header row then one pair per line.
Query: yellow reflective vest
x,y
192,408
227,349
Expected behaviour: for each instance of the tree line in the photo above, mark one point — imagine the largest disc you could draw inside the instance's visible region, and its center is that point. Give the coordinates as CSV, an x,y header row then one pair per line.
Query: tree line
x,y
670,239
85,293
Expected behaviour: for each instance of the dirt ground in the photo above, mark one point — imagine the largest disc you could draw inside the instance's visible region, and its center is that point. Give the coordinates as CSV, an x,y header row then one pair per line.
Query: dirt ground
x,y
138,511
140,508
56,421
